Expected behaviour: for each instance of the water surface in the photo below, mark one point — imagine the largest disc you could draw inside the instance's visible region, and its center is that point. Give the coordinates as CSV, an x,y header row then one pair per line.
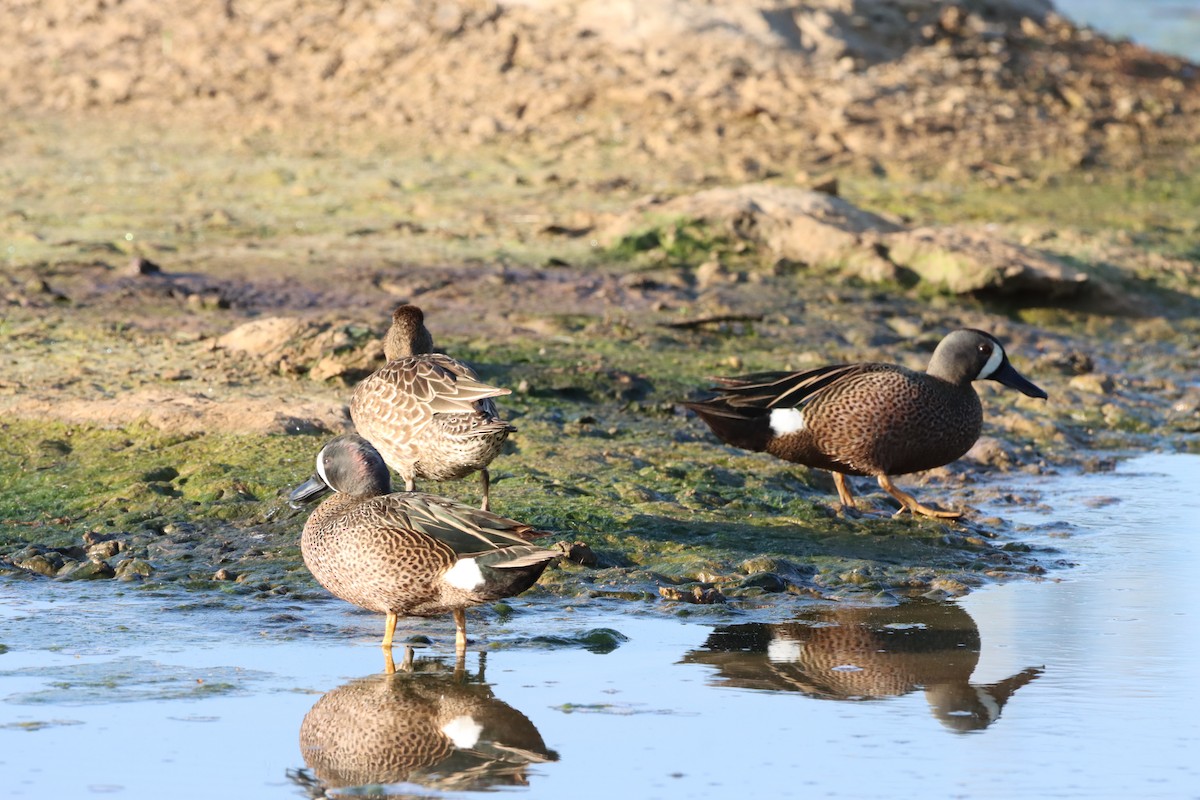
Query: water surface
x,y
1170,26
1080,685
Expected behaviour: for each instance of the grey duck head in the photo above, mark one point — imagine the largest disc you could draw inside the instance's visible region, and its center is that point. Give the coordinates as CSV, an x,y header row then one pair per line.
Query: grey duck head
x,y
969,355
348,464
408,335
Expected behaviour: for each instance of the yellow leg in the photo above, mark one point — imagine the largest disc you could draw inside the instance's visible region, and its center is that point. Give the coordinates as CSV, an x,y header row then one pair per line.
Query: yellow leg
x,y
910,503
410,485
460,631
389,630
843,490
485,480
406,665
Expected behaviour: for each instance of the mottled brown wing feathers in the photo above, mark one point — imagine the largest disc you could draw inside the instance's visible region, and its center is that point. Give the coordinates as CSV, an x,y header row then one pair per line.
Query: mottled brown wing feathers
x,y
466,530
520,556
434,383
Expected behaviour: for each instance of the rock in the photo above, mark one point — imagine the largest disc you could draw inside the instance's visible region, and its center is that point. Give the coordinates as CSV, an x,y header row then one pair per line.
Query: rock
x,y
992,452
711,273
328,367
767,581
789,571
103,550
702,595
827,185
948,587
38,563
798,224
1065,363
965,261
1093,383
262,336
143,266
578,552
810,228
90,570
133,569
224,574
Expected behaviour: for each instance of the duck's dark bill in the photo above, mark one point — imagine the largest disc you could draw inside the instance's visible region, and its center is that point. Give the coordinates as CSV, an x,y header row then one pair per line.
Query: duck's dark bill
x,y
1014,380
306,491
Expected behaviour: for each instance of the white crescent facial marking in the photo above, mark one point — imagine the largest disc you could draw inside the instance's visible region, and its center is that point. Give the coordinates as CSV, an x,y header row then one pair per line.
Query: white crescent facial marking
x,y
464,575
321,468
786,420
993,362
463,731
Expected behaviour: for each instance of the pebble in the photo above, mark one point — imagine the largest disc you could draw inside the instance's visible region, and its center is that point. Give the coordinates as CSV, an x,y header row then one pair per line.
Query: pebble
x,y
1093,382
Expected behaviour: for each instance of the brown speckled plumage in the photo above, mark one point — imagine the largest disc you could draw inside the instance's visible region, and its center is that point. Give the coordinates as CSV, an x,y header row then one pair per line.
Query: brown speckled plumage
x,y
400,728
428,414
855,653
391,552
866,419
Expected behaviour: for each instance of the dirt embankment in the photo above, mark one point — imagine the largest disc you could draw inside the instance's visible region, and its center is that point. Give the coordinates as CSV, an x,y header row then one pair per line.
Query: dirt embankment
x,y
771,86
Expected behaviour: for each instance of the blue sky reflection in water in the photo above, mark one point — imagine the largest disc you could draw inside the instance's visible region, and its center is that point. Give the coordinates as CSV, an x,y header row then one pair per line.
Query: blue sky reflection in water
x,y
1077,686
1171,26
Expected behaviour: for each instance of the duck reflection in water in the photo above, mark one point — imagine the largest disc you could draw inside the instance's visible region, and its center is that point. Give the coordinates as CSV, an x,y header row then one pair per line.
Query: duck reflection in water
x,y
856,653
429,726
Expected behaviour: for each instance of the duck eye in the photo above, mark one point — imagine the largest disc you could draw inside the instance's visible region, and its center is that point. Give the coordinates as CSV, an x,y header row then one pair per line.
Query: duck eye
x,y
985,348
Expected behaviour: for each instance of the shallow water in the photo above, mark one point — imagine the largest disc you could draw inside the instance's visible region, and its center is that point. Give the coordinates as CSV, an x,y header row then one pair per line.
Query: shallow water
x,y
1171,26
1077,686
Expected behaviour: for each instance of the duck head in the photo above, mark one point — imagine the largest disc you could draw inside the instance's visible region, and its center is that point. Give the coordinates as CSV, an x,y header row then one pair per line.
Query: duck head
x,y
348,464
969,355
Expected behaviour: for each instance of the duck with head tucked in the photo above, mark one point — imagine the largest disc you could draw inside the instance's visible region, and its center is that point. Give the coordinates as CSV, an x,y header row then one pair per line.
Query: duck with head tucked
x,y
408,552
867,418
428,414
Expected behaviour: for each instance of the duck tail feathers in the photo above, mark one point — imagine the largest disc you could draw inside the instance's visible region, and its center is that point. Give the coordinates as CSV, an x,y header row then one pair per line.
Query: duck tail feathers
x,y
740,426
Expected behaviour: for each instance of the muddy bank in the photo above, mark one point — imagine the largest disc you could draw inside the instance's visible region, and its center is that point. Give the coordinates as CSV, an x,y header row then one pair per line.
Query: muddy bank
x,y
186,308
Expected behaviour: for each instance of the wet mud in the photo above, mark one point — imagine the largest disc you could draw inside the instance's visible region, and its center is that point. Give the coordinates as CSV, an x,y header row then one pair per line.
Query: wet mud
x,y
185,312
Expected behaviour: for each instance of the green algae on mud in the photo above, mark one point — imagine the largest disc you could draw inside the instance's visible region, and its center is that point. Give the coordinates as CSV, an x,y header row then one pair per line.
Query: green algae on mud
x,y
207,512
603,455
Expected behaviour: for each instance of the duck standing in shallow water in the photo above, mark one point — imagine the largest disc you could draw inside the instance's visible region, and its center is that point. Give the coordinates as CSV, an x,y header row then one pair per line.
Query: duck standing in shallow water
x,y
407,552
867,419
428,414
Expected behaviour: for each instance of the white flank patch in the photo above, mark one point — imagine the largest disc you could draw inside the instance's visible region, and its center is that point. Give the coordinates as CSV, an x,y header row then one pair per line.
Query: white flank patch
x,y
786,420
988,702
463,731
464,575
993,362
784,651
321,467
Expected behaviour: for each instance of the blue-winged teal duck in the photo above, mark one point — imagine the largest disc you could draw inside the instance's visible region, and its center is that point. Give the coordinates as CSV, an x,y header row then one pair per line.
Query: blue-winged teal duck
x,y
441,731
867,419
408,552
428,414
